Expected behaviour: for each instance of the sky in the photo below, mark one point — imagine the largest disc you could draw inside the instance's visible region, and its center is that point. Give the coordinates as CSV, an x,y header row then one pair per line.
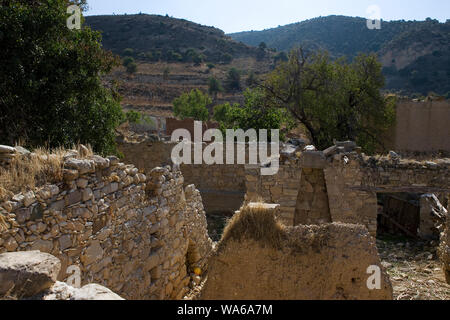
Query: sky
x,y
245,15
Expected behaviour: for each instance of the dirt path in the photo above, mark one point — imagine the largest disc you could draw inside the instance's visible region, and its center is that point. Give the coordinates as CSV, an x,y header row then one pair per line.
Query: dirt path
x,y
414,269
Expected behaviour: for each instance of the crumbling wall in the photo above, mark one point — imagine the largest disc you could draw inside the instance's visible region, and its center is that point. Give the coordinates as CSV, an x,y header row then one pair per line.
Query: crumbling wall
x,y
123,229
312,203
352,181
282,188
222,186
346,204
259,259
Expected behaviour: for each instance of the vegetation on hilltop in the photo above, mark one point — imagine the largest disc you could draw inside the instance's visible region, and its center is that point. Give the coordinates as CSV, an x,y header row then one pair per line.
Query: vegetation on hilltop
x,y
424,44
162,38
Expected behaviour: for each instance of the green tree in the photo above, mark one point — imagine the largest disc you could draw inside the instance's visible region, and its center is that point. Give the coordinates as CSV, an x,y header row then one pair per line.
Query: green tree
x,y
254,114
192,105
233,80
251,80
166,73
261,51
280,57
214,87
137,117
333,99
132,116
132,68
127,61
51,90
128,52
227,58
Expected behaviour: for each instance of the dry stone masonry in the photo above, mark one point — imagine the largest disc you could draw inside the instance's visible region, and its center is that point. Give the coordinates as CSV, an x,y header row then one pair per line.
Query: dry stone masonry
x,y
222,186
342,184
142,236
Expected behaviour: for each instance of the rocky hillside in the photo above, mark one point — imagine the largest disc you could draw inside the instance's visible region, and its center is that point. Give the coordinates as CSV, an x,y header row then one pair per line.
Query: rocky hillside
x,y
154,38
414,53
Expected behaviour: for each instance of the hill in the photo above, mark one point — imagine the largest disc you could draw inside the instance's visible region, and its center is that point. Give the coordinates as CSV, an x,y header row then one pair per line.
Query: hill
x,y
173,56
414,53
162,38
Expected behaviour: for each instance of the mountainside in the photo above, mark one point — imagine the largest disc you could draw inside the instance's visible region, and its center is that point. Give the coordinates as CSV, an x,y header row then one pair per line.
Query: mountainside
x,y
156,38
173,56
414,53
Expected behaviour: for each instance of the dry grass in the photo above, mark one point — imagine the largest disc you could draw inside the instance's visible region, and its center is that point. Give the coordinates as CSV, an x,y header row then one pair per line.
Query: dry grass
x,y
34,170
27,172
255,223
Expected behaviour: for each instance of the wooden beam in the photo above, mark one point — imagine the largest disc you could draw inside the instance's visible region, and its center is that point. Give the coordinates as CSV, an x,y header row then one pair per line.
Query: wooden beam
x,y
398,225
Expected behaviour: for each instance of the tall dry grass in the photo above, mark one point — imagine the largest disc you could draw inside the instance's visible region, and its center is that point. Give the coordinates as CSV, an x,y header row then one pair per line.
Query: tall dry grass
x,y
36,169
255,223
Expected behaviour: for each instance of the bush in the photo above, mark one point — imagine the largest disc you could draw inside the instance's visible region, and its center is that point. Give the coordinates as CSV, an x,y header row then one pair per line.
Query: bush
x,y
137,118
131,68
192,105
132,116
214,86
128,52
254,114
233,80
127,61
227,58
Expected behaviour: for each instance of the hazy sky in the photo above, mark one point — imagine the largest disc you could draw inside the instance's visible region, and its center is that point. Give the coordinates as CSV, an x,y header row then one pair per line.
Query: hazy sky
x,y
244,15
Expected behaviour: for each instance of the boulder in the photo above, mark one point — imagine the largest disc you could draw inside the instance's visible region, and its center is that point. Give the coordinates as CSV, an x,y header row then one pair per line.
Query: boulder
x,y
62,291
24,274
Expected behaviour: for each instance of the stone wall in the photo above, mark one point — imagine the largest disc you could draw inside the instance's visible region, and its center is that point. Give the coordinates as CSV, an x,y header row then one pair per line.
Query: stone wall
x,y
173,124
32,275
222,186
282,188
142,236
350,180
312,202
346,204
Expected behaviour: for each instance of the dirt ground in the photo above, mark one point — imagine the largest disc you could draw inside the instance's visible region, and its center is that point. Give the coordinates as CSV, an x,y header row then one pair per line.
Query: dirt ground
x,y
414,269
